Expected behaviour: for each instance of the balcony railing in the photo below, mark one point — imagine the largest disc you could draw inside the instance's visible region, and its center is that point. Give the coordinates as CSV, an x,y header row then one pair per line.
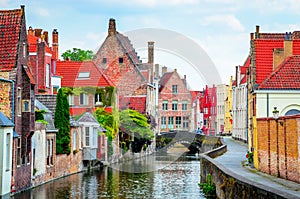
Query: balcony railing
x,y
89,153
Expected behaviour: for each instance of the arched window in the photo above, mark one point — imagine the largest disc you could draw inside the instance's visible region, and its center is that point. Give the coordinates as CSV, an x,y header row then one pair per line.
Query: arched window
x,y
292,112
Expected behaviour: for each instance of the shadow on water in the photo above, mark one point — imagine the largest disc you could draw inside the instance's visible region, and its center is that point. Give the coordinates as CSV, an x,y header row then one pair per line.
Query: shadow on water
x,y
164,176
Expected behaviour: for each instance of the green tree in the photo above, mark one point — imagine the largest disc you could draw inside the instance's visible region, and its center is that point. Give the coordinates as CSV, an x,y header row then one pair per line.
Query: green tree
x,y
136,124
77,54
62,123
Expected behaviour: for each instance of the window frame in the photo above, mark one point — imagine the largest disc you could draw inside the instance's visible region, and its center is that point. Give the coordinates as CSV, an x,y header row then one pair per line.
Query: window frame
x,y
174,105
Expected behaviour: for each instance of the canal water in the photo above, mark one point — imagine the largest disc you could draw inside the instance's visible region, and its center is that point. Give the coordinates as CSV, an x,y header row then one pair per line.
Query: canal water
x,y
157,176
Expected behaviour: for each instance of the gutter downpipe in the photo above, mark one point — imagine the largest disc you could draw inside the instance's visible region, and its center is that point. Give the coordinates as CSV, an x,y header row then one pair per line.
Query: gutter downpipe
x,y
13,98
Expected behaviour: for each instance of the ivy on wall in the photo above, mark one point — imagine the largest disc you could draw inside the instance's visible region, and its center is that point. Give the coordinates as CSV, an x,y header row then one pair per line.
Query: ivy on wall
x,y
106,93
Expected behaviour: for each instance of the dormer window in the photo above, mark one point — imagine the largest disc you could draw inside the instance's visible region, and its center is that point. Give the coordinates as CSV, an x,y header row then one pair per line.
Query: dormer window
x,y
83,75
104,60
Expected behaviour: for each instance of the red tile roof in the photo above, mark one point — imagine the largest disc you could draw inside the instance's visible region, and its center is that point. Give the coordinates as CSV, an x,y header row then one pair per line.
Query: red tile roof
x,y
69,71
138,103
29,74
10,26
285,77
264,56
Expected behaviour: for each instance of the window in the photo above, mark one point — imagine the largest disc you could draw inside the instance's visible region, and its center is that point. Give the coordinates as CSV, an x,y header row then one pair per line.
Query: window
x,y
95,137
171,123
174,105
47,79
163,121
19,151
98,99
55,89
19,95
178,122
74,140
104,60
83,75
174,89
83,99
121,60
7,151
165,105
185,122
24,50
87,136
184,105
49,152
71,99
26,106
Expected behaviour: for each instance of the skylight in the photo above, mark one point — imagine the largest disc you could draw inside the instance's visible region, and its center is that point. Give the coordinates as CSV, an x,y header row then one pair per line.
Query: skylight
x,y
82,75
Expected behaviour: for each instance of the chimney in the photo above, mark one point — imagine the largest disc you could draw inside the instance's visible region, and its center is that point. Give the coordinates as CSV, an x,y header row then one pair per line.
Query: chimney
x,y
112,27
257,32
38,32
45,33
278,57
30,31
251,36
184,80
288,45
150,59
164,69
55,44
156,74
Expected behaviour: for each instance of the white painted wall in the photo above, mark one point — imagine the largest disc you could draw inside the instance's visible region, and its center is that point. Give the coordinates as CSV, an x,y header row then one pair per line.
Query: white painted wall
x,y
39,145
239,112
283,100
221,97
5,159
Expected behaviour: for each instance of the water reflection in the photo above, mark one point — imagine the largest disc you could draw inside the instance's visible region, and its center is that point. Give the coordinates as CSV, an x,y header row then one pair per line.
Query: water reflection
x,y
177,179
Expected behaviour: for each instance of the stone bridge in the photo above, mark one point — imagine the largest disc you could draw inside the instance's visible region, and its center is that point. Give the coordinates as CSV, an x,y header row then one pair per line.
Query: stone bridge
x,y
196,143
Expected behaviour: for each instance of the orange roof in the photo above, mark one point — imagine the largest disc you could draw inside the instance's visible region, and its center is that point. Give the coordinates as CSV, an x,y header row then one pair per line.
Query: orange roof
x,y
10,27
80,74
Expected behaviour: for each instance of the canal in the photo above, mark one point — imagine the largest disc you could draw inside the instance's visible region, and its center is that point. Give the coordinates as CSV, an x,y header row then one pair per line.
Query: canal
x,y
156,176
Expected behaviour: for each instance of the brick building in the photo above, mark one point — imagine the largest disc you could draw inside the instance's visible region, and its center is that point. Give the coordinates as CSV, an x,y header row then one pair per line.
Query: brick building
x,y
17,82
43,60
174,103
120,63
273,79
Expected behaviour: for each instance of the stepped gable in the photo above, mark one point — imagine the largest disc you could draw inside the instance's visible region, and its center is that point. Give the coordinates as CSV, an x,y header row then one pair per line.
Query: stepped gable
x,y
285,77
10,26
69,71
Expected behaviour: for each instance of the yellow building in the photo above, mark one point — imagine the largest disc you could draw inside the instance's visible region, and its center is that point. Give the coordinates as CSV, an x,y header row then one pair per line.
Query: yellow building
x,y
228,109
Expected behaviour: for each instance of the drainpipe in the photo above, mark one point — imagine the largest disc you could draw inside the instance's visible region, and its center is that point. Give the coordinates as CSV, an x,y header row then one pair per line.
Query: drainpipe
x,y
13,98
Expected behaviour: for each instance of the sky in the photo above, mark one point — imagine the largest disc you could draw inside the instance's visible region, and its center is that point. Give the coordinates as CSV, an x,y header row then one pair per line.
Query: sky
x,y
220,27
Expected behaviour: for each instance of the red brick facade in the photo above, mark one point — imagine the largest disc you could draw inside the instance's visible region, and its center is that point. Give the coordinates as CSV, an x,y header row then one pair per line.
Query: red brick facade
x,y
174,92
278,147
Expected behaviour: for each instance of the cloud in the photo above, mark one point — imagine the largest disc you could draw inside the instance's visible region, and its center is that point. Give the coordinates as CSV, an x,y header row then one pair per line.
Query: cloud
x,y
150,3
43,12
3,3
228,20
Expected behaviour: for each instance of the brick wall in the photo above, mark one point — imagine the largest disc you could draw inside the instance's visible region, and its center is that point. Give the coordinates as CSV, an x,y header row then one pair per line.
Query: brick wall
x,y
278,148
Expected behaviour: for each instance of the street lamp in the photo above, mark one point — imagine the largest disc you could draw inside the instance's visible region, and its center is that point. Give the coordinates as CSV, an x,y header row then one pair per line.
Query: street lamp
x,y
276,116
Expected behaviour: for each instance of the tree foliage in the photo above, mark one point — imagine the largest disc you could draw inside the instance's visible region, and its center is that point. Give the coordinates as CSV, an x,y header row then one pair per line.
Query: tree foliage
x,y
109,121
77,54
62,123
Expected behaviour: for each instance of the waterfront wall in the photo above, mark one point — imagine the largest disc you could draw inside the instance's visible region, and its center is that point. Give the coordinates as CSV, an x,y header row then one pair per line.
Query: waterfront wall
x,y
278,147
231,185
